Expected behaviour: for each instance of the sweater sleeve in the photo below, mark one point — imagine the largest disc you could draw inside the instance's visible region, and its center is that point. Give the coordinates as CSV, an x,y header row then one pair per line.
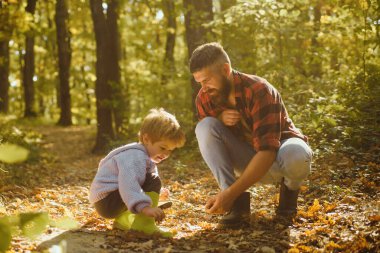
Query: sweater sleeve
x,y
132,167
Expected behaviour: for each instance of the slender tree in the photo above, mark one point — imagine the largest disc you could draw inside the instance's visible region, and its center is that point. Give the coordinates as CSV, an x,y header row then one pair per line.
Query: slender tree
x,y
5,32
119,106
28,71
87,86
4,73
197,14
51,45
64,60
103,93
168,7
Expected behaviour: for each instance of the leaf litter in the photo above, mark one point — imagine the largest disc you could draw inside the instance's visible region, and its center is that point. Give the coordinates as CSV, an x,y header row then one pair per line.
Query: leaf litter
x,y
338,205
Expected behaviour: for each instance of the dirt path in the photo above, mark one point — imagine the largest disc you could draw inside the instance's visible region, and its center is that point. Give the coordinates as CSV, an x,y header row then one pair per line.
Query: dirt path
x,y
58,184
339,207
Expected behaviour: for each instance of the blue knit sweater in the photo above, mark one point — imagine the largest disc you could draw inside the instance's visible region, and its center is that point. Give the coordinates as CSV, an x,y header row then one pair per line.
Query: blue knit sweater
x,y
124,168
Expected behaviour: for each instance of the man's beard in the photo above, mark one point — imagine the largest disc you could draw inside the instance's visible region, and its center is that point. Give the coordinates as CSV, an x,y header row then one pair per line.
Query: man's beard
x,y
220,97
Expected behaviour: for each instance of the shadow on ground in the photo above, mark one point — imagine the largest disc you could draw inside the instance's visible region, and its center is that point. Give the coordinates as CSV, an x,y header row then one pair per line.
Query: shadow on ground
x,y
263,235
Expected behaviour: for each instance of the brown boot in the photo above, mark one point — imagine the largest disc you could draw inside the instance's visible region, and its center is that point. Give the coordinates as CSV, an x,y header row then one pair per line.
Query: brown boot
x,y
239,214
288,201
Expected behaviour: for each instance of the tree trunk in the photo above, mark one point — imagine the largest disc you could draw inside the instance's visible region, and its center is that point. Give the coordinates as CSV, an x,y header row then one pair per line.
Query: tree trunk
x,y
5,34
51,44
197,13
87,86
64,59
102,87
4,73
316,66
28,72
113,71
171,28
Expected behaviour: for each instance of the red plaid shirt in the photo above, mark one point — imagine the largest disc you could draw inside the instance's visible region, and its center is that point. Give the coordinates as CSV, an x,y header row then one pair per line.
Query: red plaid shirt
x,y
263,114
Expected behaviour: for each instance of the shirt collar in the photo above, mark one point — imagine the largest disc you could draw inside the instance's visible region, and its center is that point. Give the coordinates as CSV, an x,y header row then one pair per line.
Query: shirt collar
x,y
237,81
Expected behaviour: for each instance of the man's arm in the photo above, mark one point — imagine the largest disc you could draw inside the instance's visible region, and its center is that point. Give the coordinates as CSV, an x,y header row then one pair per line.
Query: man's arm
x,y
266,115
256,169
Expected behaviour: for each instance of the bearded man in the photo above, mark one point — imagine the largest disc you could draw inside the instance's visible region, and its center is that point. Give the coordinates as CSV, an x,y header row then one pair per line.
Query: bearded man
x,y
244,129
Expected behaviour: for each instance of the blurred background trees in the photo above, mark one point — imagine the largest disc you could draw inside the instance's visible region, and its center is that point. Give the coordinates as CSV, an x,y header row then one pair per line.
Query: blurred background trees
x,y
107,63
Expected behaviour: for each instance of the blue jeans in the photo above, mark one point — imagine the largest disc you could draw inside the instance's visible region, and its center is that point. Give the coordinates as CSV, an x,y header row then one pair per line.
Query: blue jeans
x,y
226,155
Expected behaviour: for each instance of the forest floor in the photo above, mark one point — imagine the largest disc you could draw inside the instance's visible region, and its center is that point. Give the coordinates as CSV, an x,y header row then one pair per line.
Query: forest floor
x,y
338,206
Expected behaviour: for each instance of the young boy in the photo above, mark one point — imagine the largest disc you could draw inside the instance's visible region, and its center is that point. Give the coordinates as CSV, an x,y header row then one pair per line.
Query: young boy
x,y
127,184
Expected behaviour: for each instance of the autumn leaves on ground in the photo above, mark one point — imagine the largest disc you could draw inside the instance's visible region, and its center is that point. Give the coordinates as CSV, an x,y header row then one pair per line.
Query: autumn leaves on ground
x,y
339,205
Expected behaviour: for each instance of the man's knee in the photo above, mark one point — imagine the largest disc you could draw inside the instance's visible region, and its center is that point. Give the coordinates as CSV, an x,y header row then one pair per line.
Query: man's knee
x,y
205,126
296,161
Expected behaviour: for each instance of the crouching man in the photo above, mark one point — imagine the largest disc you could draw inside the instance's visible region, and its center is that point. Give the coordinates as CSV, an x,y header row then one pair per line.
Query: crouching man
x,y
244,129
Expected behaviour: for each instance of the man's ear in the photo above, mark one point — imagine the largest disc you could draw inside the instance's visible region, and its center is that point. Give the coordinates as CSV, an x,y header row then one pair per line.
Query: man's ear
x,y
227,69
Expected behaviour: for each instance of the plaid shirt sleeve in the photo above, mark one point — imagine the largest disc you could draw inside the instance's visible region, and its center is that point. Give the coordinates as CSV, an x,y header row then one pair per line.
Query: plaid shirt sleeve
x,y
201,111
266,115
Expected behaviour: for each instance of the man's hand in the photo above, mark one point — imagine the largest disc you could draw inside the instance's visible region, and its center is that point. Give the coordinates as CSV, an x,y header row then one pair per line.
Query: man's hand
x,y
229,117
220,203
154,212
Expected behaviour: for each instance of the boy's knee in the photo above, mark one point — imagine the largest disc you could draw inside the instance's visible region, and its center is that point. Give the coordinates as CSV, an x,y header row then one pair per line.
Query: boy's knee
x,y
205,126
107,211
152,183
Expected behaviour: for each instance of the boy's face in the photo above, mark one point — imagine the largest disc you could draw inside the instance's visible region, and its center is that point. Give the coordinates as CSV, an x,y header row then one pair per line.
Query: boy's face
x,y
159,150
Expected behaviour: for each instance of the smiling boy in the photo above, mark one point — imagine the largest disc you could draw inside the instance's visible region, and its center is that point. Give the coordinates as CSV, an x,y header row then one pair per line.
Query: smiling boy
x,y
127,177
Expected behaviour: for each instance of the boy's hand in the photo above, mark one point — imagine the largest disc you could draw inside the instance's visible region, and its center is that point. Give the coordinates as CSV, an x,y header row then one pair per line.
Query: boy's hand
x,y
165,193
154,212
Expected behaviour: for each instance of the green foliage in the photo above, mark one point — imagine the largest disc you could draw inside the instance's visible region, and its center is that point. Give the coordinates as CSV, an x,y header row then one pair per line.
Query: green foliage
x,y
325,67
33,224
11,153
5,234
64,223
29,225
16,144
284,43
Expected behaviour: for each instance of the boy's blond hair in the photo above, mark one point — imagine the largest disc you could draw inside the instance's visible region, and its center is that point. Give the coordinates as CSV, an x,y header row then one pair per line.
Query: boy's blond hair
x,y
161,125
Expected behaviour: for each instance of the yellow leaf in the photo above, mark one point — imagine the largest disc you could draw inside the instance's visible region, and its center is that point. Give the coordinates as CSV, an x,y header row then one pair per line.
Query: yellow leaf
x,y
350,200
305,248
303,188
329,207
333,245
309,232
374,218
315,207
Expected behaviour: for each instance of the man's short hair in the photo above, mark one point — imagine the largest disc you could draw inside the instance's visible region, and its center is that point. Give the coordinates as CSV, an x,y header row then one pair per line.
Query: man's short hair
x,y
160,125
207,55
